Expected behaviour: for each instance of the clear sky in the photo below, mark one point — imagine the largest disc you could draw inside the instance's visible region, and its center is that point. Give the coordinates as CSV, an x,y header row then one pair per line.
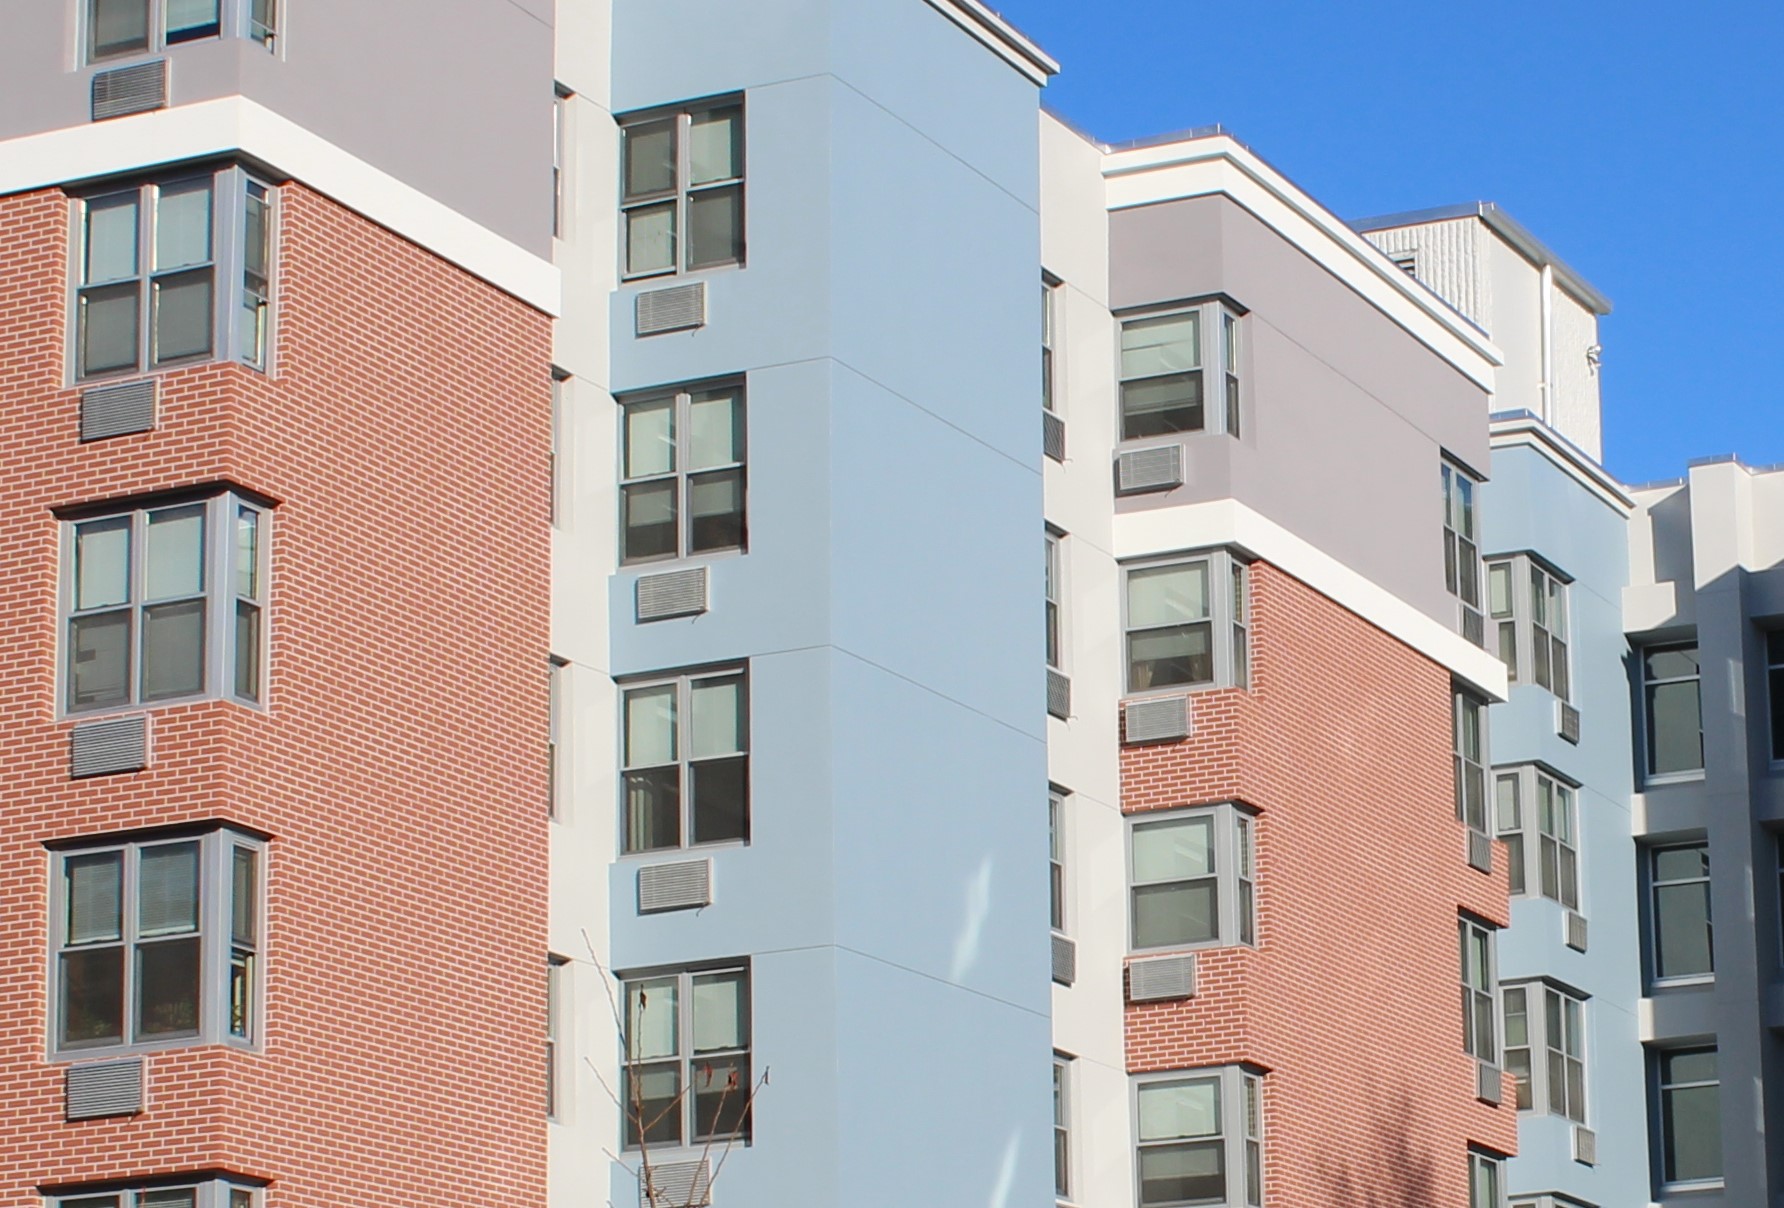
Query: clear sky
x,y
1643,142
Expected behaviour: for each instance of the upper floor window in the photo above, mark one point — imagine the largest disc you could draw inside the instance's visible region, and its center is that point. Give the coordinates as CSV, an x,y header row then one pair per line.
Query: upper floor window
x,y
687,1058
1672,709
1528,603
1486,1180
1537,821
685,761
1062,1127
173,272
165,603
557,972
1200,1138
215,1193
1049,326
1774,672
1461,550
683,473
1192,878
157,942
1688,1093
1054,602
1679,911
1056,858
1545,1049
1187,624
116,28
560,151
1469,718
1180,372
556,670
1480,992
682,189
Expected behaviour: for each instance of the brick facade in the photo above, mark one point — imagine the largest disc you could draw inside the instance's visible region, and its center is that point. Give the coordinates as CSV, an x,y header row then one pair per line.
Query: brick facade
x,y
1351,998
398,766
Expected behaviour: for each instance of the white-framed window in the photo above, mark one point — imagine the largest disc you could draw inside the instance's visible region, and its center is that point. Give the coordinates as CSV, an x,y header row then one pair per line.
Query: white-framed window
x,y
1056,823
173,272
1187,623
682,486
211,1193
1049,343
1180,372
557,670
687,1057
1681,940
1672,710
156,942
1062,1127
1538,821
557,974
1480,990
1461,550
1199,1138
685,766
1486,1180
1688,1104
1055,588
1192,879
1545,1049
681,183
1468,716
165,603
1528,604
116,29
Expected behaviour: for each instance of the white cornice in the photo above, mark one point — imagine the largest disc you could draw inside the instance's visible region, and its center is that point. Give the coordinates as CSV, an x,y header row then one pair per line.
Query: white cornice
x,y
1522,428
1227,522
1218,164
1005,39
238,126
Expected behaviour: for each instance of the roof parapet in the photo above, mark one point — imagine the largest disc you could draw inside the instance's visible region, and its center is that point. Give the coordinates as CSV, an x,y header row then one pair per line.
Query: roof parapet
x,y
1010,44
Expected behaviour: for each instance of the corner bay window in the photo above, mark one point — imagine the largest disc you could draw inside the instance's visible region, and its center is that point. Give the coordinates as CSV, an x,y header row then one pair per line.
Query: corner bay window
x,y
1163,362
1537,822
1545,1049
165,603
1672,709
173,272
1200,1138
1528,604
213,1193
1486,1180
681,179
683,473
157,941
1187,624
1192,879
686,761
687,1054
1469,720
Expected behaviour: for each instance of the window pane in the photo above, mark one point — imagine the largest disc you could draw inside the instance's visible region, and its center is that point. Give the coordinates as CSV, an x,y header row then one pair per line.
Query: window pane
x,y
1165,595
247,650
715,511
257,235
94,889
721,1097
1168,344
1675,728
650,726
1189,1108
715,429
188,19
102,563
1681,863
1693,1133
650,438
244,900
1182,1174
99,660
92,997
715,226
719,721
1671,663
653,1105
720,1012
110,239
109,321
1184,913
651,1018
1682,939
649,154
167,891
183,316
167,988
247,553
653,809
183,225
715,145
1161,658
117,27
175,553
649,519
721,799
650,238
173,650
1174,850
1162,405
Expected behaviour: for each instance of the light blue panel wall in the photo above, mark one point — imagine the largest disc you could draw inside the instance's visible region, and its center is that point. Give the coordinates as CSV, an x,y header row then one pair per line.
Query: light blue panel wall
x,y
1532,505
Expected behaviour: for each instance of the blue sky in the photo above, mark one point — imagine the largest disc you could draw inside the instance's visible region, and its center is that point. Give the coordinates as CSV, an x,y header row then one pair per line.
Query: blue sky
x,y
1643,142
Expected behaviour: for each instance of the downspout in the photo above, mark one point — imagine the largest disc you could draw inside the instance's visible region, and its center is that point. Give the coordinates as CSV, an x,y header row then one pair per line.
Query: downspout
x,y
1548,344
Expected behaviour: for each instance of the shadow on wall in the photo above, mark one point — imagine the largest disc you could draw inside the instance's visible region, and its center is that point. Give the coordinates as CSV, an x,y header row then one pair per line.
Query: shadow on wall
x,y
1396,1174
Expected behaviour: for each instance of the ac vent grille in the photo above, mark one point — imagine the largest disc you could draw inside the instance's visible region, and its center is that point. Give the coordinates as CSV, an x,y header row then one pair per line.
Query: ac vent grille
x,y
677,593
1053,436
1161,978
96,1089
118,410
675,1185
126,90
102,748
1059,695
683,885
677,308
1065,960
1156,719
1480,851
1158,468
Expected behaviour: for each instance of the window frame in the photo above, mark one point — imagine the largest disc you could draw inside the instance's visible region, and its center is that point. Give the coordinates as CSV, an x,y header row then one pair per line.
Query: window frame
x,y
1059,882
1241,1137
1646,705
1535,1078
1526,842
1228,620
1473,996
1518,634
231,188
561,391
685,1056
560,160
558,1013
221,511
218,944
557,671
1233,845
1051,292
1064,1163
1470,767
226,1192
1774,676
235,19
683,189
1651,895
1220,352
1492,1166
1662,1120
1461,549
683,682
1055,600
681,400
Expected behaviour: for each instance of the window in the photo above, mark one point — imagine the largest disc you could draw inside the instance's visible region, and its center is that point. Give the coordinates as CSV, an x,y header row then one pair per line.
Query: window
x,y
1056,862
556,671
1774,672
1469,717
1672,709
214,1193
1200,1138
682,189
157,942
1175,611
1191,878
686,761
560,134
1690,1117
556,973
1537,822
1062,1127
1163,358
1049,325
1530,625
1461,550
1054,653
152,259
1545,1049
687,1052
560,397
1479,991
164,604
126,27
1679,882
683,455
1486,1180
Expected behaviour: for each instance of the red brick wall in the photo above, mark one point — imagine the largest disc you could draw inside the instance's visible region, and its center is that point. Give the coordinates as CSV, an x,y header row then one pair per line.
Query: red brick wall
x,y
1351,999
399,765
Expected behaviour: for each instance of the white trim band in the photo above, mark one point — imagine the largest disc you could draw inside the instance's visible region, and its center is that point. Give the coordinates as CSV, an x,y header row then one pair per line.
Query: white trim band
x,y
1003,38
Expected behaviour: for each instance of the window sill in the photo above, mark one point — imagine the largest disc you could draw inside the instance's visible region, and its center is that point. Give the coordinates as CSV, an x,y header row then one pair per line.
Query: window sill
x,y
1664,985
66,717
674,276
688,850
145,1047
113,376
1671,778
651,566
1173,949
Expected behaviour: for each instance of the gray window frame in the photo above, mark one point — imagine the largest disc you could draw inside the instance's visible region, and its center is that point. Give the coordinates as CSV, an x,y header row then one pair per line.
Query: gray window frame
x,y
235,19
1064,1160
1646,705
1662,1115
220,952
1519,826
219,596
557,671
1536,1073
206,1193
683,682
1234,847
1051,288
682,117
1462,564
1470,766
681,400
1220,359
1241,1137
1513,586
686,1058
1483,997
561,391
1228,620
1059,883
558,1014
1652,886
1055,590
232,284
1774,677
1480,1161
